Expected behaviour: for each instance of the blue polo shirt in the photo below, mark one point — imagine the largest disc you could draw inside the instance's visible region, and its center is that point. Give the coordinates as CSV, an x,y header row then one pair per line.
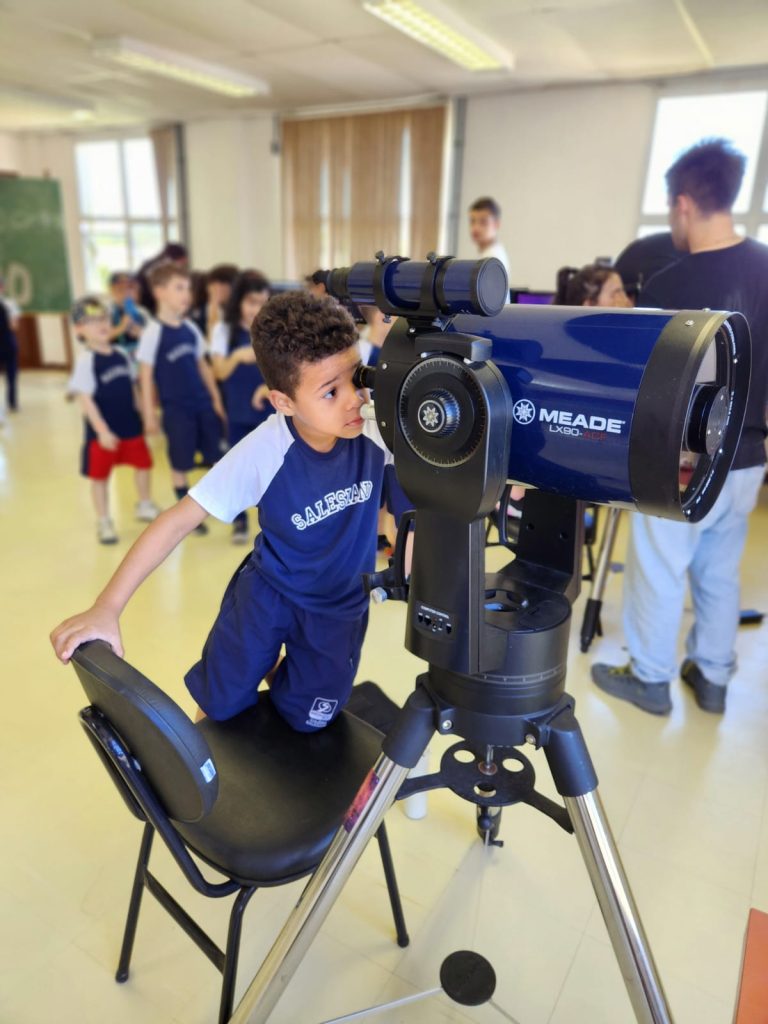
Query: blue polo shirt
x,y
318,511
108,379
239,387
174,354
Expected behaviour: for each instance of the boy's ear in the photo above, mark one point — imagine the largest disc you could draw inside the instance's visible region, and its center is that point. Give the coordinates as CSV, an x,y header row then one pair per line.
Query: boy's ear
x,y
282,402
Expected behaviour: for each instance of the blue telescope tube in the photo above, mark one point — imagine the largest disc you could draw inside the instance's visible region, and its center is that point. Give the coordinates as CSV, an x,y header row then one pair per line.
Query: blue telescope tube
x,y
577,378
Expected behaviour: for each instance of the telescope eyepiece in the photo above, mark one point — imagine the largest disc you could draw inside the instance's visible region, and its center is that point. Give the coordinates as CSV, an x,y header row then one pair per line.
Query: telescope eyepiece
x,y
364,377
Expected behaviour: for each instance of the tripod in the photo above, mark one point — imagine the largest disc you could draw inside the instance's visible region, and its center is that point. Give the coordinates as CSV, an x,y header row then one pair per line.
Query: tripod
x,y
591,622
519,701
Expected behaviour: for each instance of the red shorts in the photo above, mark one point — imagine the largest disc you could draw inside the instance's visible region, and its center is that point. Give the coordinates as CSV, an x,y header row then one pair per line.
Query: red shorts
x,y
98,461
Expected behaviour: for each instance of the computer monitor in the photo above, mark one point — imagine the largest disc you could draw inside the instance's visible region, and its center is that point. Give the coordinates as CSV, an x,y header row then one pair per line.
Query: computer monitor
x,y
529,297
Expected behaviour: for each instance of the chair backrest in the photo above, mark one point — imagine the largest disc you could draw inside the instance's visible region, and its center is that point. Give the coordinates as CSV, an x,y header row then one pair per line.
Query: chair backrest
x,y
172,753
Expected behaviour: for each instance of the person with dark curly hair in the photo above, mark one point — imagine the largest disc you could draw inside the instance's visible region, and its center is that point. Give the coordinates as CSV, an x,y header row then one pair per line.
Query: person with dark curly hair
x,y
314,470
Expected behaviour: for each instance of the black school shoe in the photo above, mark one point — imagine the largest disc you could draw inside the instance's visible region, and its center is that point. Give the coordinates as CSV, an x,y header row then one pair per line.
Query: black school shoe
x,y
709,696
621,682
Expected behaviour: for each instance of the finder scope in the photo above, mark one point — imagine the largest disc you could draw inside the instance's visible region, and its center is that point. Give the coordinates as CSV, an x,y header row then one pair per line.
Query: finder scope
x,y
439,287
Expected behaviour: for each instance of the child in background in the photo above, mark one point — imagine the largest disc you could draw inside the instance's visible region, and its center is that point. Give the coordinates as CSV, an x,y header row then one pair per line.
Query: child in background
x,y
171,357
215,292
372,336
102,383
127,321
592,285
234,365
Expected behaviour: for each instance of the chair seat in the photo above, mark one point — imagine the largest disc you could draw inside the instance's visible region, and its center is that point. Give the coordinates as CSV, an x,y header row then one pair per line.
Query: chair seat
x,y
282,794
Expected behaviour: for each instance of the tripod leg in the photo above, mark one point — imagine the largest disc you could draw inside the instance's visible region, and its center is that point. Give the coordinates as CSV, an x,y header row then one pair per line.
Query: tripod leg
x,y
406,742
576,782
595,600
625,928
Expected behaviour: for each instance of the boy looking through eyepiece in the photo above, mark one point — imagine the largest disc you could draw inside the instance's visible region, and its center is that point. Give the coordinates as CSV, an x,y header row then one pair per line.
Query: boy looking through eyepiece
x,y
315,471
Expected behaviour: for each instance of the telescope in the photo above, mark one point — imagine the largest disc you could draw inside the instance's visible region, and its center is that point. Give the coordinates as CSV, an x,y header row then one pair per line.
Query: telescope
x,y
639,409
605,404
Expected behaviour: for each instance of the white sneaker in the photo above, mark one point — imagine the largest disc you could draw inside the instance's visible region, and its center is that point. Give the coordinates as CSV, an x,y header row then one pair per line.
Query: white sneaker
x,y
146,511
106,531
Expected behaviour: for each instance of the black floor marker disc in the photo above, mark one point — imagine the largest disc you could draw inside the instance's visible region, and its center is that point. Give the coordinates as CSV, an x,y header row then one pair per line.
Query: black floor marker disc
x,y
467,978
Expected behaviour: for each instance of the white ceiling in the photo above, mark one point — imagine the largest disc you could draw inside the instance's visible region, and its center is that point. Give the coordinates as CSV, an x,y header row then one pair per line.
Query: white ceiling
x,y
332,52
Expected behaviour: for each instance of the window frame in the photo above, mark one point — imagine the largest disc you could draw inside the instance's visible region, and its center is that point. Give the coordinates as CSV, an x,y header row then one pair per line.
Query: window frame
x,y
754,217
170,225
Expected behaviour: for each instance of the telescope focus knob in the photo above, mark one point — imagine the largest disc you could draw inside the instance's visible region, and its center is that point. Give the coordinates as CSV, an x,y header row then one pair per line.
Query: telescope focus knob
x,y
438,413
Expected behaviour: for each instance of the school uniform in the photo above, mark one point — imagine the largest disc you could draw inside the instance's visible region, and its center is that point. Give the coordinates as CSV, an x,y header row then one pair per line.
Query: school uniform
x,y
302,585
108,380
239,387
189,421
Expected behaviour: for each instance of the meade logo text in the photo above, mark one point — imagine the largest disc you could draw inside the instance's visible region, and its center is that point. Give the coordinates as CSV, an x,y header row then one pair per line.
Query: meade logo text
x,y
579,420
575,424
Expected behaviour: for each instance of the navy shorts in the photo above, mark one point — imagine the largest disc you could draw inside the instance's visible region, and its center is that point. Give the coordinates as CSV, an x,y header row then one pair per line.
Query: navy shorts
x,y
191,430
314,679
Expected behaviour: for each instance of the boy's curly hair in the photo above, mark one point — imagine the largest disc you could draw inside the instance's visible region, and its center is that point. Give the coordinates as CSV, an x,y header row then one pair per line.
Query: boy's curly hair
x,y
295,328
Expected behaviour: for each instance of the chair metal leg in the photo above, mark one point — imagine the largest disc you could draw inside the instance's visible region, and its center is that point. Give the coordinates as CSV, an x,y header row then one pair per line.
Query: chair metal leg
x,y
134,906
232,953
392,887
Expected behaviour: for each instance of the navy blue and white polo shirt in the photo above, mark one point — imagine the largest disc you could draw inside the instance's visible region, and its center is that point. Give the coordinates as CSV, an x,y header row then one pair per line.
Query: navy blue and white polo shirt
x,y
239,387
174,353
318,510
108,379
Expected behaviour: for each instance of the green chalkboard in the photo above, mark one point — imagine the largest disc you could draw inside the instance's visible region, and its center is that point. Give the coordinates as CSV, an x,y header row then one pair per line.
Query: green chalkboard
x,y
33,250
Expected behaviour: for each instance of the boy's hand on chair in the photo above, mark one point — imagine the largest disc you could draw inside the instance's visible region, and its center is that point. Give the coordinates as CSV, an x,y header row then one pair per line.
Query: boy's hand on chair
x,y
95,624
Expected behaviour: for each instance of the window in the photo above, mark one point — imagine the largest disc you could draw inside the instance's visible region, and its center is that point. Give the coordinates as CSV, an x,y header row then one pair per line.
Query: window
x,y
122,219
339,203
681,122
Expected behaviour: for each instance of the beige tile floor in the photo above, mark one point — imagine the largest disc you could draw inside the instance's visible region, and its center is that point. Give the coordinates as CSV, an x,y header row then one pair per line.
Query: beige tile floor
x,y
686,795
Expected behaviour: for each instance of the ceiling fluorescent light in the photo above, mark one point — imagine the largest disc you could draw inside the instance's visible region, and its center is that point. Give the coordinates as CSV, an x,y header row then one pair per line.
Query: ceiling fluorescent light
x,y
170,64
437,26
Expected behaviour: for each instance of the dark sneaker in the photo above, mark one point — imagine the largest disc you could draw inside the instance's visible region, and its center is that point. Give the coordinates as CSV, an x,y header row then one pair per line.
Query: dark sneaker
x,y
201,530
709,696
619,681
240,534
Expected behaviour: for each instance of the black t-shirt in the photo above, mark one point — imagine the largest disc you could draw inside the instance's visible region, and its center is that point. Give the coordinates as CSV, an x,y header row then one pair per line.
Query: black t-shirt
x,y
733,279
645,257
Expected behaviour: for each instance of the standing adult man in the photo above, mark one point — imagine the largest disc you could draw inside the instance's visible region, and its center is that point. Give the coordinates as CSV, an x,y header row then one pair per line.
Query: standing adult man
x,y
722,270
484,224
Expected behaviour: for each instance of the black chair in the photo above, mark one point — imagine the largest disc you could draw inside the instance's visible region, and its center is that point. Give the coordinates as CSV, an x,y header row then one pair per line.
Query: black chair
x,y
250,797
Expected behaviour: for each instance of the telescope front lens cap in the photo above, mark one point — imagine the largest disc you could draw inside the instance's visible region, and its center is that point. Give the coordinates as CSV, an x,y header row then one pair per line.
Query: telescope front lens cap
x,y
708,419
